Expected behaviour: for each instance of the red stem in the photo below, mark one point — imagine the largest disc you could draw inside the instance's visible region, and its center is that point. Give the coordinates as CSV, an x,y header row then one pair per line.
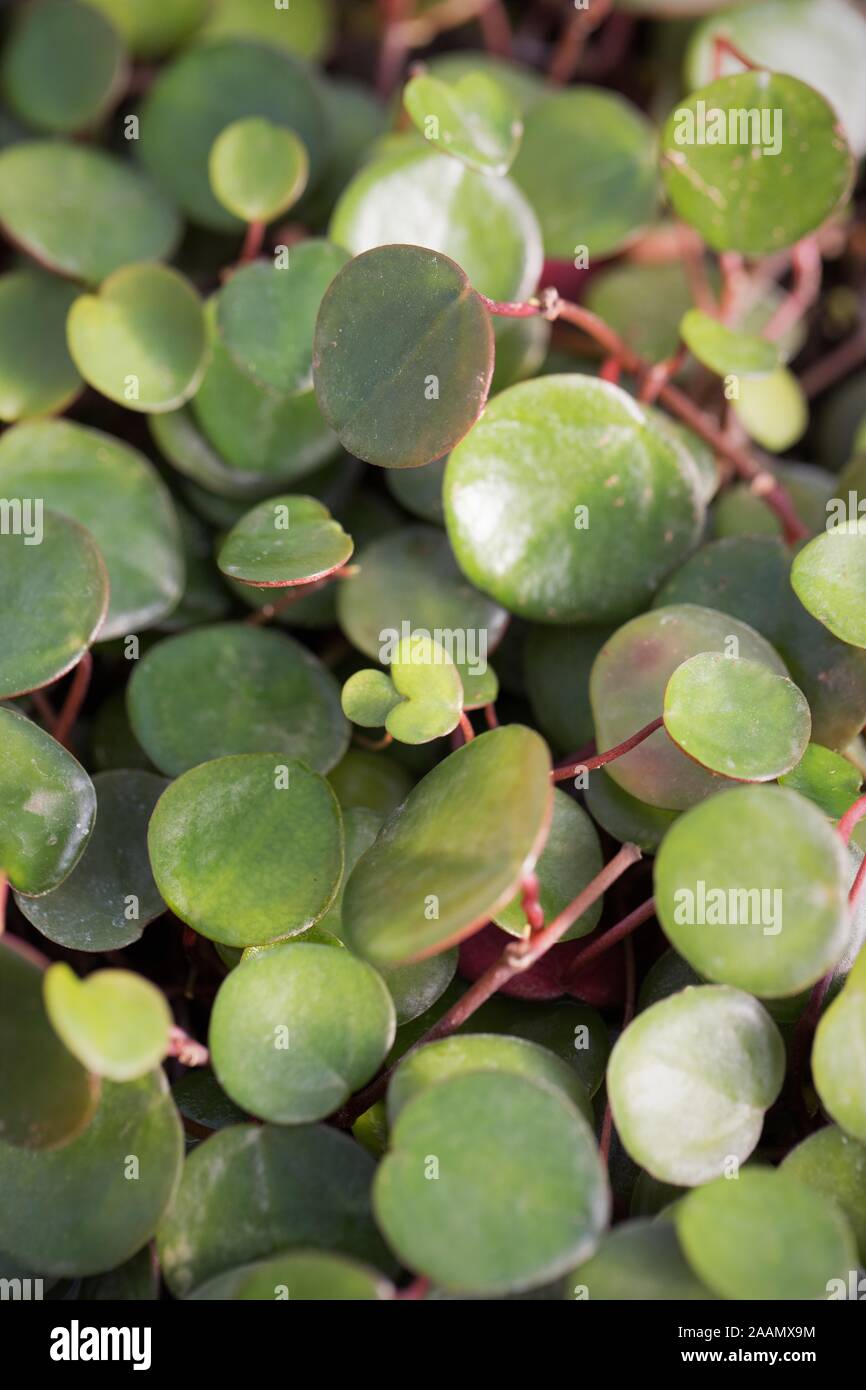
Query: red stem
x,y
764,485
838,363
490,716
75,697
530,889
4,894
572,40
852,817
496,29
723,45
465,725
564,774
516,957
856,886
620,932
253,241
806,286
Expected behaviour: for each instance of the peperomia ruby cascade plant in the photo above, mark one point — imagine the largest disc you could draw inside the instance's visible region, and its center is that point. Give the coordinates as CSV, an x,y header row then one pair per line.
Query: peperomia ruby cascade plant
x,y
433,649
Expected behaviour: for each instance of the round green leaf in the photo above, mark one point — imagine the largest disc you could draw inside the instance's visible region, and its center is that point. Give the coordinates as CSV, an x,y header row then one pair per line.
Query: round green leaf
x,y
268,438
413,398
473,1052
491,1134
751,888
258,170
204,90
829,578
112,214
422,699
772,409
115,1022
838,1053
251,1191
627,686
419,490
47,806
408,582
765,1236
643,303
414,988
417,198
37,375
493,794
302,1275
825,778
114,492
725,351
571,858
247,849
755,162
430,688
683,1105
475,119
595,503
371,780
75,1210
141,339
229,688
110,896
266,314
283,541
623,816
588,167
182,443
153,27
575,1032
737,717
556,666
833,1163
368,698
823,42
749,577
295,1031
639,1260
46,1096
53,595
63,66
301,26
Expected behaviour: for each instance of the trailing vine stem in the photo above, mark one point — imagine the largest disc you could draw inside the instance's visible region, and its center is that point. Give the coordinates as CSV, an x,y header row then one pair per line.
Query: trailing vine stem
x,y
466,727
516,957
75,696
293,592
254,240
564,774
569,49
621,932
852,817
549,305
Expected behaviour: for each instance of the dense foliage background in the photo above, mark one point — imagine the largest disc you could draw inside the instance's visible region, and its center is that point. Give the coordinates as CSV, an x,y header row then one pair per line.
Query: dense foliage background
x,y
433,649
